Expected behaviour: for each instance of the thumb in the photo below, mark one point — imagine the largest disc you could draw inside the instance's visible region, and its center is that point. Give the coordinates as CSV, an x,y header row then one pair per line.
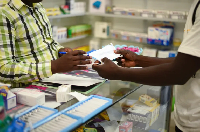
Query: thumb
x,y
105,60
122,52
95,67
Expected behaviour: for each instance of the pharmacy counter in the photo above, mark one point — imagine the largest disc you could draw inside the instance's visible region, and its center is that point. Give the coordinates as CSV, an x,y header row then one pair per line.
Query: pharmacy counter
x,y
127,107
135,108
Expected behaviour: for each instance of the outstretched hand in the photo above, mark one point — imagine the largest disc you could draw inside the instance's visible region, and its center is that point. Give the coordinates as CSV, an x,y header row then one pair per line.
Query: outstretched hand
x,y
108,70
129,58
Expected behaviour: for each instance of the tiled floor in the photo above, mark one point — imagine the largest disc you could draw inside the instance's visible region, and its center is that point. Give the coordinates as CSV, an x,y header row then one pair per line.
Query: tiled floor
x,y
172,124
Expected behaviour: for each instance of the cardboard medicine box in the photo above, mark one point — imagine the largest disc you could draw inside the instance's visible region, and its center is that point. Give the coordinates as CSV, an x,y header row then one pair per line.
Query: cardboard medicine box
x,y
140,118
153,110
126,127
99,6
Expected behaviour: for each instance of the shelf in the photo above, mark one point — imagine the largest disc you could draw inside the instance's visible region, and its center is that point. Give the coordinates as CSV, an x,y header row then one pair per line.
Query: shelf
x,y
136,17
65,16
142,44
72,39
117,16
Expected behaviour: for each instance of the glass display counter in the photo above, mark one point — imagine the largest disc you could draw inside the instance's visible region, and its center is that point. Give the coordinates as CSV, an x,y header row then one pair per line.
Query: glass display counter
x,y
135,108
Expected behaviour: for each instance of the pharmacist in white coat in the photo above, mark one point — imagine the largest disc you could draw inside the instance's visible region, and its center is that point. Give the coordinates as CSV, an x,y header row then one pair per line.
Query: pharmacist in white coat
x,y
183,71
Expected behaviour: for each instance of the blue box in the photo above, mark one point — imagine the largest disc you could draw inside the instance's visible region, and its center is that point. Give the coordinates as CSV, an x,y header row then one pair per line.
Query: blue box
x,y
68,128
33,108
160,36
97,111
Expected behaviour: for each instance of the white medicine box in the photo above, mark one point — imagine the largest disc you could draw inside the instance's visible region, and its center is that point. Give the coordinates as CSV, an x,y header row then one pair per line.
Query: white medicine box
x,y
11,101
102,29
99,6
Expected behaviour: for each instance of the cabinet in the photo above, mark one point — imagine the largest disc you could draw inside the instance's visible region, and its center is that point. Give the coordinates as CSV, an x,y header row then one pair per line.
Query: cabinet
x,y
125,96
123,22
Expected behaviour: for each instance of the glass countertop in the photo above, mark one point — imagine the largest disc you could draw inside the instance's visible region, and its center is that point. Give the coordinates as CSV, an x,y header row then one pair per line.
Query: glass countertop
x,y
115,90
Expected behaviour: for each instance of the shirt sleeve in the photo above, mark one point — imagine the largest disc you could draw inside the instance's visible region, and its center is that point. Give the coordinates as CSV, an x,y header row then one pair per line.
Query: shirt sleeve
x,y
57,46
12,70
191,43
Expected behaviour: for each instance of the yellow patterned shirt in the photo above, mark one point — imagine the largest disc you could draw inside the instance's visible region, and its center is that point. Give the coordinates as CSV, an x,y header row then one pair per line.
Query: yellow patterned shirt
x,y
26,44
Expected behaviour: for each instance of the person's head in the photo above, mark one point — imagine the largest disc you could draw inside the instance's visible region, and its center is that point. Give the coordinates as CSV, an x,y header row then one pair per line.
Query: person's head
x,y
30,2
34,1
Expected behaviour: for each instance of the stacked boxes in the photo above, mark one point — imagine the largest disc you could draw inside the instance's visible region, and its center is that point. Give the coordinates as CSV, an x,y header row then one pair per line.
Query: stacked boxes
x,y
53,11
140,118
79,30
148,100
147,13
133,12
59,33
129,36
160,36
142,115
150,13
178,15
161,94
161,14
73,7
70,32
120,11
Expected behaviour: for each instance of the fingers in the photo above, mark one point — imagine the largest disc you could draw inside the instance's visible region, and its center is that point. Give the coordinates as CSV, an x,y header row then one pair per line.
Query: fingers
x,y
78,52
119,60
122,52
81,57
119,64
105,60
96,67
82,62
97,62
123,60
80,68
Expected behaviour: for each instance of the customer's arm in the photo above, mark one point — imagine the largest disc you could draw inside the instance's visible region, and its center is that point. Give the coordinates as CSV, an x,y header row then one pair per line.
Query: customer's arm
x,y
144,61
177,72
11,69
130,59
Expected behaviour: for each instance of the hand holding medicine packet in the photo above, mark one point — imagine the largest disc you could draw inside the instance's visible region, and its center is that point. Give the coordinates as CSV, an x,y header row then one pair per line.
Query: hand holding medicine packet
x,y
107,51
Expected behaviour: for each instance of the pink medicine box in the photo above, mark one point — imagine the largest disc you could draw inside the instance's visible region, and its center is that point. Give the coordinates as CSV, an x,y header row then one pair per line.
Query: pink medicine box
x,y
126,127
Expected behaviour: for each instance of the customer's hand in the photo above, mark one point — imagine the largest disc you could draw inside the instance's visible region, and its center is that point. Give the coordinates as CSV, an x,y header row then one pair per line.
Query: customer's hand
x,y
129,58
70,61
108,70
66,49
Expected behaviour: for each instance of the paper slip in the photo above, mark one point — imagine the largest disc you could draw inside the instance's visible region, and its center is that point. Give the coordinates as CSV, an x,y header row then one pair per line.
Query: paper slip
x,y
71,80
107,51
78,96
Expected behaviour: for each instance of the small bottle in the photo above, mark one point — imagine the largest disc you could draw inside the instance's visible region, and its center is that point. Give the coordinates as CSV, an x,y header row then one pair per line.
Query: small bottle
x,y
2,109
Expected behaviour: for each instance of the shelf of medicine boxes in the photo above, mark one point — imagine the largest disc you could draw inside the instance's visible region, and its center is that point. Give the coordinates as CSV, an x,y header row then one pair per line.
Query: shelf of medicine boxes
x,y
142,44
118,16
67,15
72,39
137,17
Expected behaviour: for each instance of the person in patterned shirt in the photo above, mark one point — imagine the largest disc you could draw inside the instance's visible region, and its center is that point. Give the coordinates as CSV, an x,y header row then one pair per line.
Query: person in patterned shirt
x,y
27,51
